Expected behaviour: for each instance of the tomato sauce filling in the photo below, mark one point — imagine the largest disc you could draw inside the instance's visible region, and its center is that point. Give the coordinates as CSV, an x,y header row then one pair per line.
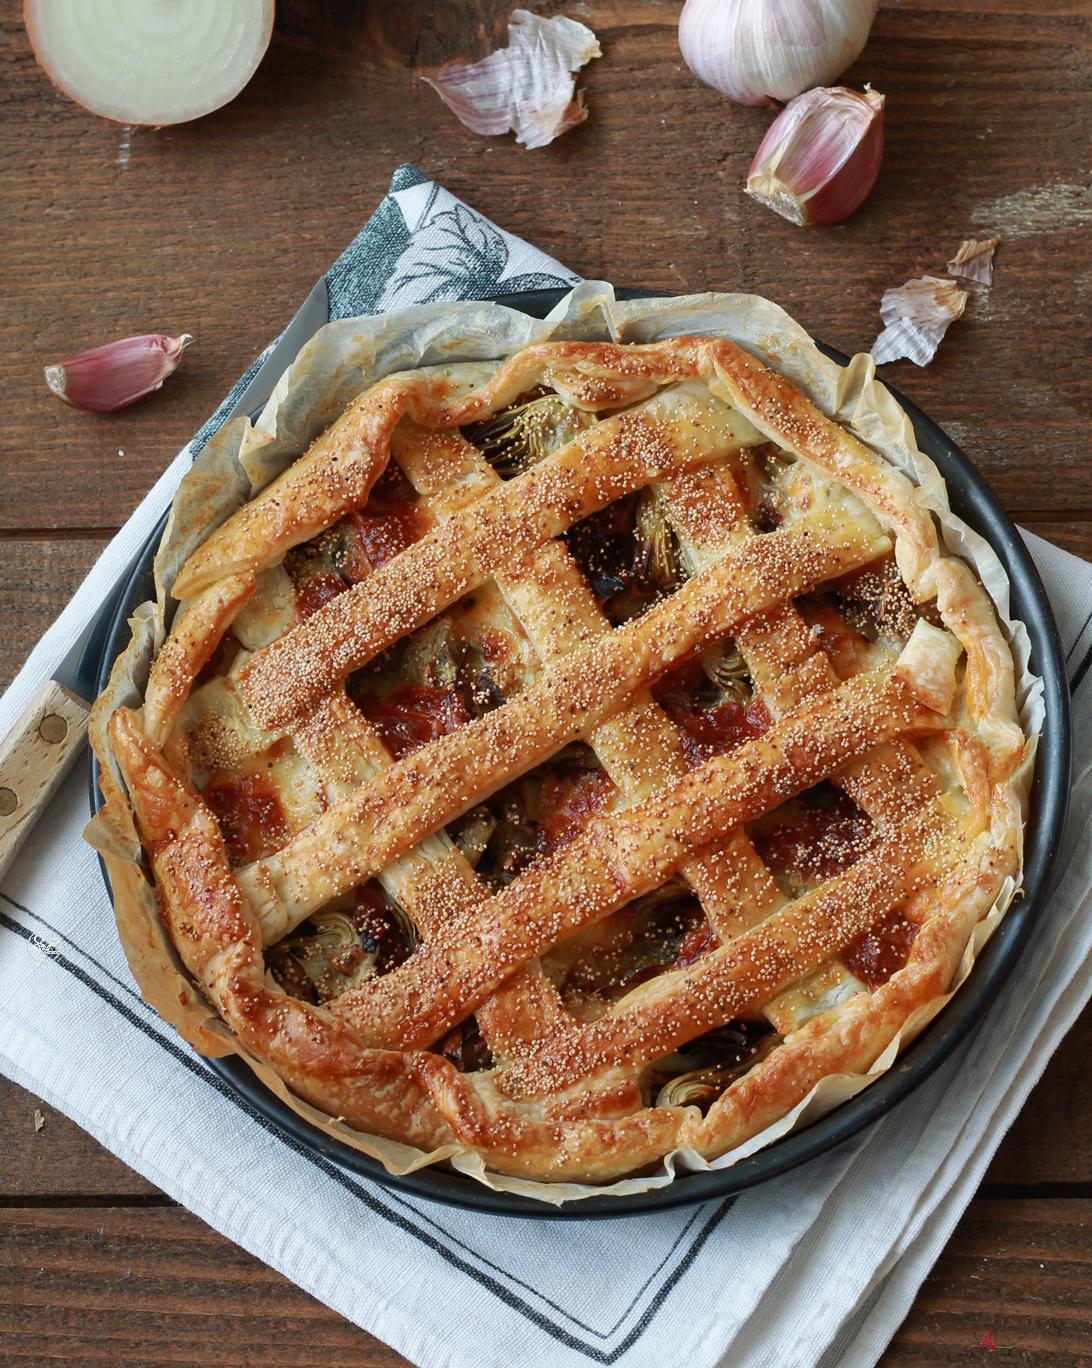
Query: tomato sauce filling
x,y
381,532
250,814
389,522
719,729
696,944
882,950
709,719
415,714
359,543
812,838
316,590
565,804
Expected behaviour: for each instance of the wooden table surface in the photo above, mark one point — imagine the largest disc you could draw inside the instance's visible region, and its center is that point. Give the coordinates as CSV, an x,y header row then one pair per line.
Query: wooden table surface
x,y
219,228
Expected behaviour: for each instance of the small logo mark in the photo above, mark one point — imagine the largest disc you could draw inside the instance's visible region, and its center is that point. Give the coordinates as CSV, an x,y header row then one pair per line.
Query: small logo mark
x,y
42,948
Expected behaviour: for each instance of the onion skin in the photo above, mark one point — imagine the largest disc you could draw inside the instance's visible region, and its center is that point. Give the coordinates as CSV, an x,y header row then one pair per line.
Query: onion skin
x,y
763,52
820,156
116,374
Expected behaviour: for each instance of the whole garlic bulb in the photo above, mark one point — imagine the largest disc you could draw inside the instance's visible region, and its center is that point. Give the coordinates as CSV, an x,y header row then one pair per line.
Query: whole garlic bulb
x,y
760,52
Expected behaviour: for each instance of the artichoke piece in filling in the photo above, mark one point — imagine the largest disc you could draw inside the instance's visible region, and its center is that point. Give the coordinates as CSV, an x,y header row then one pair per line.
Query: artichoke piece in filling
x,y
699,1071
767,477
629,555
464,1047
460,666
351,940
665,929
534,815
539,423
711,702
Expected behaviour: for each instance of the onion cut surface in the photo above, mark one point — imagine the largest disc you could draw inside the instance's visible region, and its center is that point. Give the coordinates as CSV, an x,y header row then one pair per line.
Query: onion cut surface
x,y
149,61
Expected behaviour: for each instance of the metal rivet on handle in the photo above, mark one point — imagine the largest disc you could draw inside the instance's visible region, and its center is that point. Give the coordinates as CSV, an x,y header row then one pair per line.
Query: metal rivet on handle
x,y
9,801
53,729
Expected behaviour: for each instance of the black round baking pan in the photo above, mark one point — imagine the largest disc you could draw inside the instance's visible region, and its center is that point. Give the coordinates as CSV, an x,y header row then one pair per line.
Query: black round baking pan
x,y
973,500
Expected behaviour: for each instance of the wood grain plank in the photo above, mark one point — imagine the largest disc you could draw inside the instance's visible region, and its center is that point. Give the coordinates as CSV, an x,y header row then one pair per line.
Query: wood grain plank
x,y
1021,1270
1075,537
37,578
158,1287
60,1161
220,227
1051,1140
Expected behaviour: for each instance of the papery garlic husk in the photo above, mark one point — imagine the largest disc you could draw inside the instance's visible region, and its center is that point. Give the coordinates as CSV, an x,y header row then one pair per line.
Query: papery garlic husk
x,y
526,87
974,260
117,373
759,52
916,317
820,156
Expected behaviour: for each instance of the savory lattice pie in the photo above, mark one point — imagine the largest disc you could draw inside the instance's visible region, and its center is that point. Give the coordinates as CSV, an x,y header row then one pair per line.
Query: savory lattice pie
x,y
576,767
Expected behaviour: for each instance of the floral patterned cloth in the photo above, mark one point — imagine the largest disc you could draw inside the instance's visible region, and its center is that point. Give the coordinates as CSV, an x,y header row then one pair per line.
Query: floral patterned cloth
x,y
422,244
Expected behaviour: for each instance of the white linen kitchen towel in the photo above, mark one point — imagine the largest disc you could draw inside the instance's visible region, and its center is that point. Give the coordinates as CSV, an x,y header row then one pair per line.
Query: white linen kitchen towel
x,y
849,1237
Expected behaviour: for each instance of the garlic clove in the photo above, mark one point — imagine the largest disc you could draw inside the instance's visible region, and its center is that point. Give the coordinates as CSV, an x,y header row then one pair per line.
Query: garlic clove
x,y
917,316
820,156
527,86
117,373
761,51
974,261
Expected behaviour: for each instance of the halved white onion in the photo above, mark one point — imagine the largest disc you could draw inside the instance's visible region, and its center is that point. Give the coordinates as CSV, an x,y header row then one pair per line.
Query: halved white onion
x,y
149,61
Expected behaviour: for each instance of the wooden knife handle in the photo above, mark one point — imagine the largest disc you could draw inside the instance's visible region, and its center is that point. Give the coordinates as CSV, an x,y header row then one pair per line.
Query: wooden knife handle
x,y
33,761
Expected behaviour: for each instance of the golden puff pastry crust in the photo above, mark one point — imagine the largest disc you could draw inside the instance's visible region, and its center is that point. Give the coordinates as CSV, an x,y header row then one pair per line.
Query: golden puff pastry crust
x,y
578,768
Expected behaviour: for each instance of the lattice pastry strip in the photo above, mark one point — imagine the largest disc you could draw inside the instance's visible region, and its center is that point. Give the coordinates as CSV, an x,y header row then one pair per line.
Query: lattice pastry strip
x,y
640,749
336,739
357,836
568,1096
709,518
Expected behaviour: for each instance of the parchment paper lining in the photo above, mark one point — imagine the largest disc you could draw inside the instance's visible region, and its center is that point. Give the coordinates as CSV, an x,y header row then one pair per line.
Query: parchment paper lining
x,y
343,359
